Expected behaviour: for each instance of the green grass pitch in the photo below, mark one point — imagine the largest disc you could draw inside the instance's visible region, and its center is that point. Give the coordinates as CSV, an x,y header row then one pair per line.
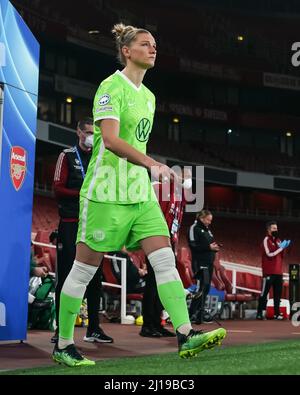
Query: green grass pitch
x,y
276,358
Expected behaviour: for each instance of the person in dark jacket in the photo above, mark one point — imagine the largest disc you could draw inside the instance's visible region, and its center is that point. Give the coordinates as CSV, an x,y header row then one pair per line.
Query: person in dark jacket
x,y
173,209
203,248
71,167
272,262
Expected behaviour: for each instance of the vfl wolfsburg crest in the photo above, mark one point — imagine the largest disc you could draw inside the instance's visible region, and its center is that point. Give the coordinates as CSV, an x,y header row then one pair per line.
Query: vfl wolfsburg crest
x,y
143,130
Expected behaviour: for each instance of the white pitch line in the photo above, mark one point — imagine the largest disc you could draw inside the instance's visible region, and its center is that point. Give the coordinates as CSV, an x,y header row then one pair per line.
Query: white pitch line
x,y
238,331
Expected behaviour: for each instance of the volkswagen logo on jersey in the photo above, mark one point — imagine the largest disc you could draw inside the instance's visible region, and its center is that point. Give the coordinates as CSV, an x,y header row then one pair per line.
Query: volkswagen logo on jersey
x,y
18,166
143,130
98,235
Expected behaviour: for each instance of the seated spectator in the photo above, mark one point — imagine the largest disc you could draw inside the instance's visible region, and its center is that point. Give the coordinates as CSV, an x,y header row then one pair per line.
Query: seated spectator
x,y
37,272
41,308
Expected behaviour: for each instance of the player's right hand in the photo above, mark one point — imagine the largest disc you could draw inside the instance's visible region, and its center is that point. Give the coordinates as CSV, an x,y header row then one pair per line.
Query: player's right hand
x,y
162,173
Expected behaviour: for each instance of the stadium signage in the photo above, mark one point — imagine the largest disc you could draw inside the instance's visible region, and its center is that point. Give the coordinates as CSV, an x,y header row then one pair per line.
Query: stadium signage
x,y
281,81
209,69
18,166
191,111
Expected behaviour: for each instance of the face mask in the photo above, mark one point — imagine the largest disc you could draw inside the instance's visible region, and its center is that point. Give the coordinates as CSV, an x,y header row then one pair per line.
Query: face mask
x,y
89,141
274,233
188,183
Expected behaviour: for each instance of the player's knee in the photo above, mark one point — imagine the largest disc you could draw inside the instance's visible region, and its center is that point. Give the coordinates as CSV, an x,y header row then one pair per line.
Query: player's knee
x,y
163,263
78,279
162,259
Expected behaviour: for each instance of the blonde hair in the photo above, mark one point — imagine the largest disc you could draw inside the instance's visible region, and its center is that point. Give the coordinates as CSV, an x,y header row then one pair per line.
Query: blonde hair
x,y
124,35
203,214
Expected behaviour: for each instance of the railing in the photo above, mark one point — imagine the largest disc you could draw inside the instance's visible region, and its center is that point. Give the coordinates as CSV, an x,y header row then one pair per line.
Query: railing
x,y
234,267
238,268
289,171
123,278
258,213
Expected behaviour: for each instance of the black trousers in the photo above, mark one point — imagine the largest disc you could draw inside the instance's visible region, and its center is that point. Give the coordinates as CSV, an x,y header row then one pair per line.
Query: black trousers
x,y
204,276
275,281
66,251
151,304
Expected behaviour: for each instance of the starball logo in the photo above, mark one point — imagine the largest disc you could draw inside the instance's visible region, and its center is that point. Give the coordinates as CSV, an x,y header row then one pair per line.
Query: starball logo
x,y
18,166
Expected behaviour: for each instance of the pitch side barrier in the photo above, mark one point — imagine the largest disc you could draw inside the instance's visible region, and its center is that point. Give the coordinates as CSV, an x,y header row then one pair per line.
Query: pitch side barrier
x,y
238,268
230,266
123,278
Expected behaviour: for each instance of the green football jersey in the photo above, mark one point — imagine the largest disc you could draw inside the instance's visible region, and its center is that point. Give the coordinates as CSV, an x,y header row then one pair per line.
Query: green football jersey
x,y
109,178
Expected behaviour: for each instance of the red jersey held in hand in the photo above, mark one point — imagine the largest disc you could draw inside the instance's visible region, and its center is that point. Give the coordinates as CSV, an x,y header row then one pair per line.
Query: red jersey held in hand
x,y
172,205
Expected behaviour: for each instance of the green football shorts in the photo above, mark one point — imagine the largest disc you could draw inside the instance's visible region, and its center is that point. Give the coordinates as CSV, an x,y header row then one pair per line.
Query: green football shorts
x,y
108,227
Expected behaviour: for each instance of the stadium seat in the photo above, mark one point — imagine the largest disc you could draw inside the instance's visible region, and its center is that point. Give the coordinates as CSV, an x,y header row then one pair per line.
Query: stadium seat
x,y
184,266
45,256
221,282
45,214
217,281
41,237
109,277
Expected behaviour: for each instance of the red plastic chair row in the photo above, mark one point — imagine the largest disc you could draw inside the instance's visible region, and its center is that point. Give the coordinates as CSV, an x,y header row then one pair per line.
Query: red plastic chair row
x,y
45,256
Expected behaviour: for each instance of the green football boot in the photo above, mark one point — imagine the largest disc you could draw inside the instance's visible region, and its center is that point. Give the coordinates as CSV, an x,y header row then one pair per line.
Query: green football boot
x,y
70,356
196,341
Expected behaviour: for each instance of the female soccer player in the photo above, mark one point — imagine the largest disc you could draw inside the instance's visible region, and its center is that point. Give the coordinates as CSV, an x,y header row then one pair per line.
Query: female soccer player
x,y
118,206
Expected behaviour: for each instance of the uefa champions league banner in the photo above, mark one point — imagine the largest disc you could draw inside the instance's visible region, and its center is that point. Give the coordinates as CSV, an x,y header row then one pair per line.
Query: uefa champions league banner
x,y
19,68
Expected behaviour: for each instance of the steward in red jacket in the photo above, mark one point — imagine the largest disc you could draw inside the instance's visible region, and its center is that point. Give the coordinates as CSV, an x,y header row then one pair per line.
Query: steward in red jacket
x,y
272,260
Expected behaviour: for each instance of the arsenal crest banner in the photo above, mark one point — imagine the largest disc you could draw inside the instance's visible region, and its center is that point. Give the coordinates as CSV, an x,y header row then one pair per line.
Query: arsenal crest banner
x,y
19,67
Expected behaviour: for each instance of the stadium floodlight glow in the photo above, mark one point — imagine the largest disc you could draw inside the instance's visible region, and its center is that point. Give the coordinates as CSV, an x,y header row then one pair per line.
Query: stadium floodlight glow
x,y
175,120
94,31
288,134
69,99
240,38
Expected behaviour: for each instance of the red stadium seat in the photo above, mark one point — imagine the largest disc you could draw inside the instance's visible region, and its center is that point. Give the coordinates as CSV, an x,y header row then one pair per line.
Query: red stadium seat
x,y
45,256
42,237
110,278
184,266
45,214
217,281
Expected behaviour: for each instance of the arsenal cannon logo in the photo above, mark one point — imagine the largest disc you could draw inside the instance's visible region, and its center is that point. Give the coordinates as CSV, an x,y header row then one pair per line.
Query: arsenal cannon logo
x,y
18,166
